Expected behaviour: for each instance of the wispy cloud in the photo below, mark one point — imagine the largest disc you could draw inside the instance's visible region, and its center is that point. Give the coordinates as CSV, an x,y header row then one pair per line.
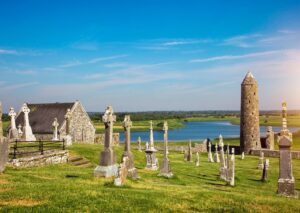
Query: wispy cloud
x,y
18,86
234,57
8,52
26,72
244,41
177,42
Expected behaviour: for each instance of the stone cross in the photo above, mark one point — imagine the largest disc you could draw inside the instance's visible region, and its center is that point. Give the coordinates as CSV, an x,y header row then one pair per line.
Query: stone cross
x,y
139,143
190,154
197,159
55,125
27,131
152,163
151,137
265,171
261,161
68,121
107,166
286,180
210,158
132,171
216,155
13,133
165,168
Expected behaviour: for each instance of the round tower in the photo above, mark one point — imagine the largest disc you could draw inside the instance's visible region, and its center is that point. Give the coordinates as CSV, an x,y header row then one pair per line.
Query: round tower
x,y
250,131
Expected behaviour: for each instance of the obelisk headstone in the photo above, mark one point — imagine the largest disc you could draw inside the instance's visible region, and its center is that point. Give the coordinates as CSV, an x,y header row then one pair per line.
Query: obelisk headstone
x,y
150,151
210,158
4,150
13,132
249,125
223,168
286,180
165,169
108,166
27,131
270,138
132,171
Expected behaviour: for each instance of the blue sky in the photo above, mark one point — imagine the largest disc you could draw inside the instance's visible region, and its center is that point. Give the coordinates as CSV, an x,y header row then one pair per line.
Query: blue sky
x,y
149,55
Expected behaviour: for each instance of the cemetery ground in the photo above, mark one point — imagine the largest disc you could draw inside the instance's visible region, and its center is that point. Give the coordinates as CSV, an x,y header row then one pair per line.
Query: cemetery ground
x,y
68,188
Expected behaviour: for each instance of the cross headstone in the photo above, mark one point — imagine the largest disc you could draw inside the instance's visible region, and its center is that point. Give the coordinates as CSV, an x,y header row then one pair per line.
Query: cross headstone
x,y
150,151
107,166
13,132
27,131
210,158
139,143
165,169
132,171
55,125
286,180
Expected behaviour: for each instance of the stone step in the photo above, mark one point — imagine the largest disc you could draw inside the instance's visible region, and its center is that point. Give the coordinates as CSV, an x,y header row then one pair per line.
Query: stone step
x,y
86,165
75,158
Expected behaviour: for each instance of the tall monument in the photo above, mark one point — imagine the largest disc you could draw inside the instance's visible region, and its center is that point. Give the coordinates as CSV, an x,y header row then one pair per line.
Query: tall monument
x,y
286,180
108,166
165,168
27,131
152,163
132,171
249,127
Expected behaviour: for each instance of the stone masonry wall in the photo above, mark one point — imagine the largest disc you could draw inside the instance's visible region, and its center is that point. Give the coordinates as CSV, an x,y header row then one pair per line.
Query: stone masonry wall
x,y
99,138
273,153
48,158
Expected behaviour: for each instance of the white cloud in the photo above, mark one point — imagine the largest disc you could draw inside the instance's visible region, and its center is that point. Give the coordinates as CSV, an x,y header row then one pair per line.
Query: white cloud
x,y
234,57
18,86
8,52
177,42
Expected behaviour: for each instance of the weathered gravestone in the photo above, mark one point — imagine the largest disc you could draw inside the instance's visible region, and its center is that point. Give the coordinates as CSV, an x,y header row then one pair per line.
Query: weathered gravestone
x,y
270,138
3,145
122,172
261,161
243,155
216,155
13,132
286,180
189,157
55,125
265,171
210,158
107,166
132,171
139,143
197,159
152,163
223,168
166,168
27,131
68,137
231,169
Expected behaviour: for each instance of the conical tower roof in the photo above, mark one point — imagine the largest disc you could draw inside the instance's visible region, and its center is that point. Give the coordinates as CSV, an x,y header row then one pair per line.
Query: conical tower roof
x,y
249,79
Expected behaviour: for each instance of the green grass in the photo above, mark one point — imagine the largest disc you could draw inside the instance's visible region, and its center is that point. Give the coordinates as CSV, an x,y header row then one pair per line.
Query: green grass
x,y
66,188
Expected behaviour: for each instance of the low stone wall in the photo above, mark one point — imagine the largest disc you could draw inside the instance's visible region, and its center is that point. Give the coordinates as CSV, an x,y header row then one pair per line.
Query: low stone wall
x,y
273,153
99,138
50,157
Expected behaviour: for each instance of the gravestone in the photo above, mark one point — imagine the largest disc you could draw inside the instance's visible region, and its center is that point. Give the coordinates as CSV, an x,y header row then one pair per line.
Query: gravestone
x,y
223,168
197,159
107,166
132,171
286,180
189,157
4,148
139,143
270,138
27,131
166,168
231,170
261,161
55,125
152,163
243,155
20,132
216,155
265,171
122,172
68,137
13,132
210,158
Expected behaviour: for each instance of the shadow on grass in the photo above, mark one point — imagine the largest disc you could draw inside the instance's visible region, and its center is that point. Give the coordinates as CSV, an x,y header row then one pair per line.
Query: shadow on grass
x,y
72,176
256,180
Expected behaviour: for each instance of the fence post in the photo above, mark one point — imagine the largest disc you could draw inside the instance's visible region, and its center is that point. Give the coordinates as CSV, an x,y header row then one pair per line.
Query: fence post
x,y
63,144
15,149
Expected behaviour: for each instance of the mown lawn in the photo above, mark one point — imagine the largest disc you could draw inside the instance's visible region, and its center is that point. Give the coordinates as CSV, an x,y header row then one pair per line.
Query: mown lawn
x,y
66,188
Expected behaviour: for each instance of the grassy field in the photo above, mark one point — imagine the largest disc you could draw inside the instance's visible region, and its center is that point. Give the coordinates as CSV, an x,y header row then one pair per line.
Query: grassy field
x,y
66,188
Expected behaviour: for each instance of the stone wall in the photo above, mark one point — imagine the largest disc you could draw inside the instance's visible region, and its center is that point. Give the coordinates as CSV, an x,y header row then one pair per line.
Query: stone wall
x,y
50,157
82,129
99,138
273,153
